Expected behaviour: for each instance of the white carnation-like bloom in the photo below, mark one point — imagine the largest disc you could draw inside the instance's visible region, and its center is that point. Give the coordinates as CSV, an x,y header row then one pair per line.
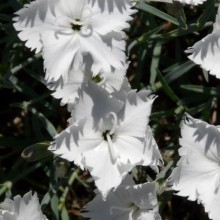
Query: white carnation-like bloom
x,y
206,52
22,208
197,174
127,202
67,30
68,91
190,2
108,136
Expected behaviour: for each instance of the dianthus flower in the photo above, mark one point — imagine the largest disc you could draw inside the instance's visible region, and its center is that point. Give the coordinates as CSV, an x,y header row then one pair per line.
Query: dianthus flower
x,y
190,2
21,208
127,202
197,175
67,30
108,136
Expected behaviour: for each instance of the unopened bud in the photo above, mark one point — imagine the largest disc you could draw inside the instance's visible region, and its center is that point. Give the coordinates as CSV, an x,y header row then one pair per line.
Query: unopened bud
x,y
36,151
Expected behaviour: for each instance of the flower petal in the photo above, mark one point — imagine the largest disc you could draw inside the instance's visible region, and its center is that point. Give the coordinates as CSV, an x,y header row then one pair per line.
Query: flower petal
x,y
135,114
130,150
68,91
77,138
198,167
106,56
115,13
105,173
151,155
94,102
33,19
206,52
60,52
210,199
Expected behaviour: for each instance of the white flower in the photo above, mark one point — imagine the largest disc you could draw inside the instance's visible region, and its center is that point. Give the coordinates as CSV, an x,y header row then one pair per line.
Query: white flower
x,y
21,208
191,2
68,91
197,174
67,30
127,202
107,136
206,52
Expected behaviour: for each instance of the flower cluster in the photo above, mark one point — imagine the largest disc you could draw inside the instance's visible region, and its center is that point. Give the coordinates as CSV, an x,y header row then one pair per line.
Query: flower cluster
x,y
82,43
83,46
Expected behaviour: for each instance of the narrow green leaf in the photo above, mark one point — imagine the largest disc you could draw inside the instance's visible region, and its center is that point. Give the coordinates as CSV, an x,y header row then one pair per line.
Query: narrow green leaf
x,y
208,11
179,71
36,127
180,32
150,9
26,172
167,113
144,38
141,58
54,206
163,173
206,75
155,63
181,18
22,87
46,200
45,123
36,76
200,108
202,89
25,63
167,88
5,187
64,214
192,99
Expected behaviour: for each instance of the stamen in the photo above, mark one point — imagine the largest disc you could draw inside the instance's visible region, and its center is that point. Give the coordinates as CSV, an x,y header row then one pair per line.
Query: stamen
x,y
119,209
76,25
115,122
104,135
108,136
112,151
217,182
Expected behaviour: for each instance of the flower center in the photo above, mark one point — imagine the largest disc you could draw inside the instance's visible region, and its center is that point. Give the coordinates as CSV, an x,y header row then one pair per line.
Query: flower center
x,y
76,25
106,134
96,79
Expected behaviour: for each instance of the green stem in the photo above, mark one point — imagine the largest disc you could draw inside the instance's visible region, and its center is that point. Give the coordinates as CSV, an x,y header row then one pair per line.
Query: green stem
x,y
67,188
